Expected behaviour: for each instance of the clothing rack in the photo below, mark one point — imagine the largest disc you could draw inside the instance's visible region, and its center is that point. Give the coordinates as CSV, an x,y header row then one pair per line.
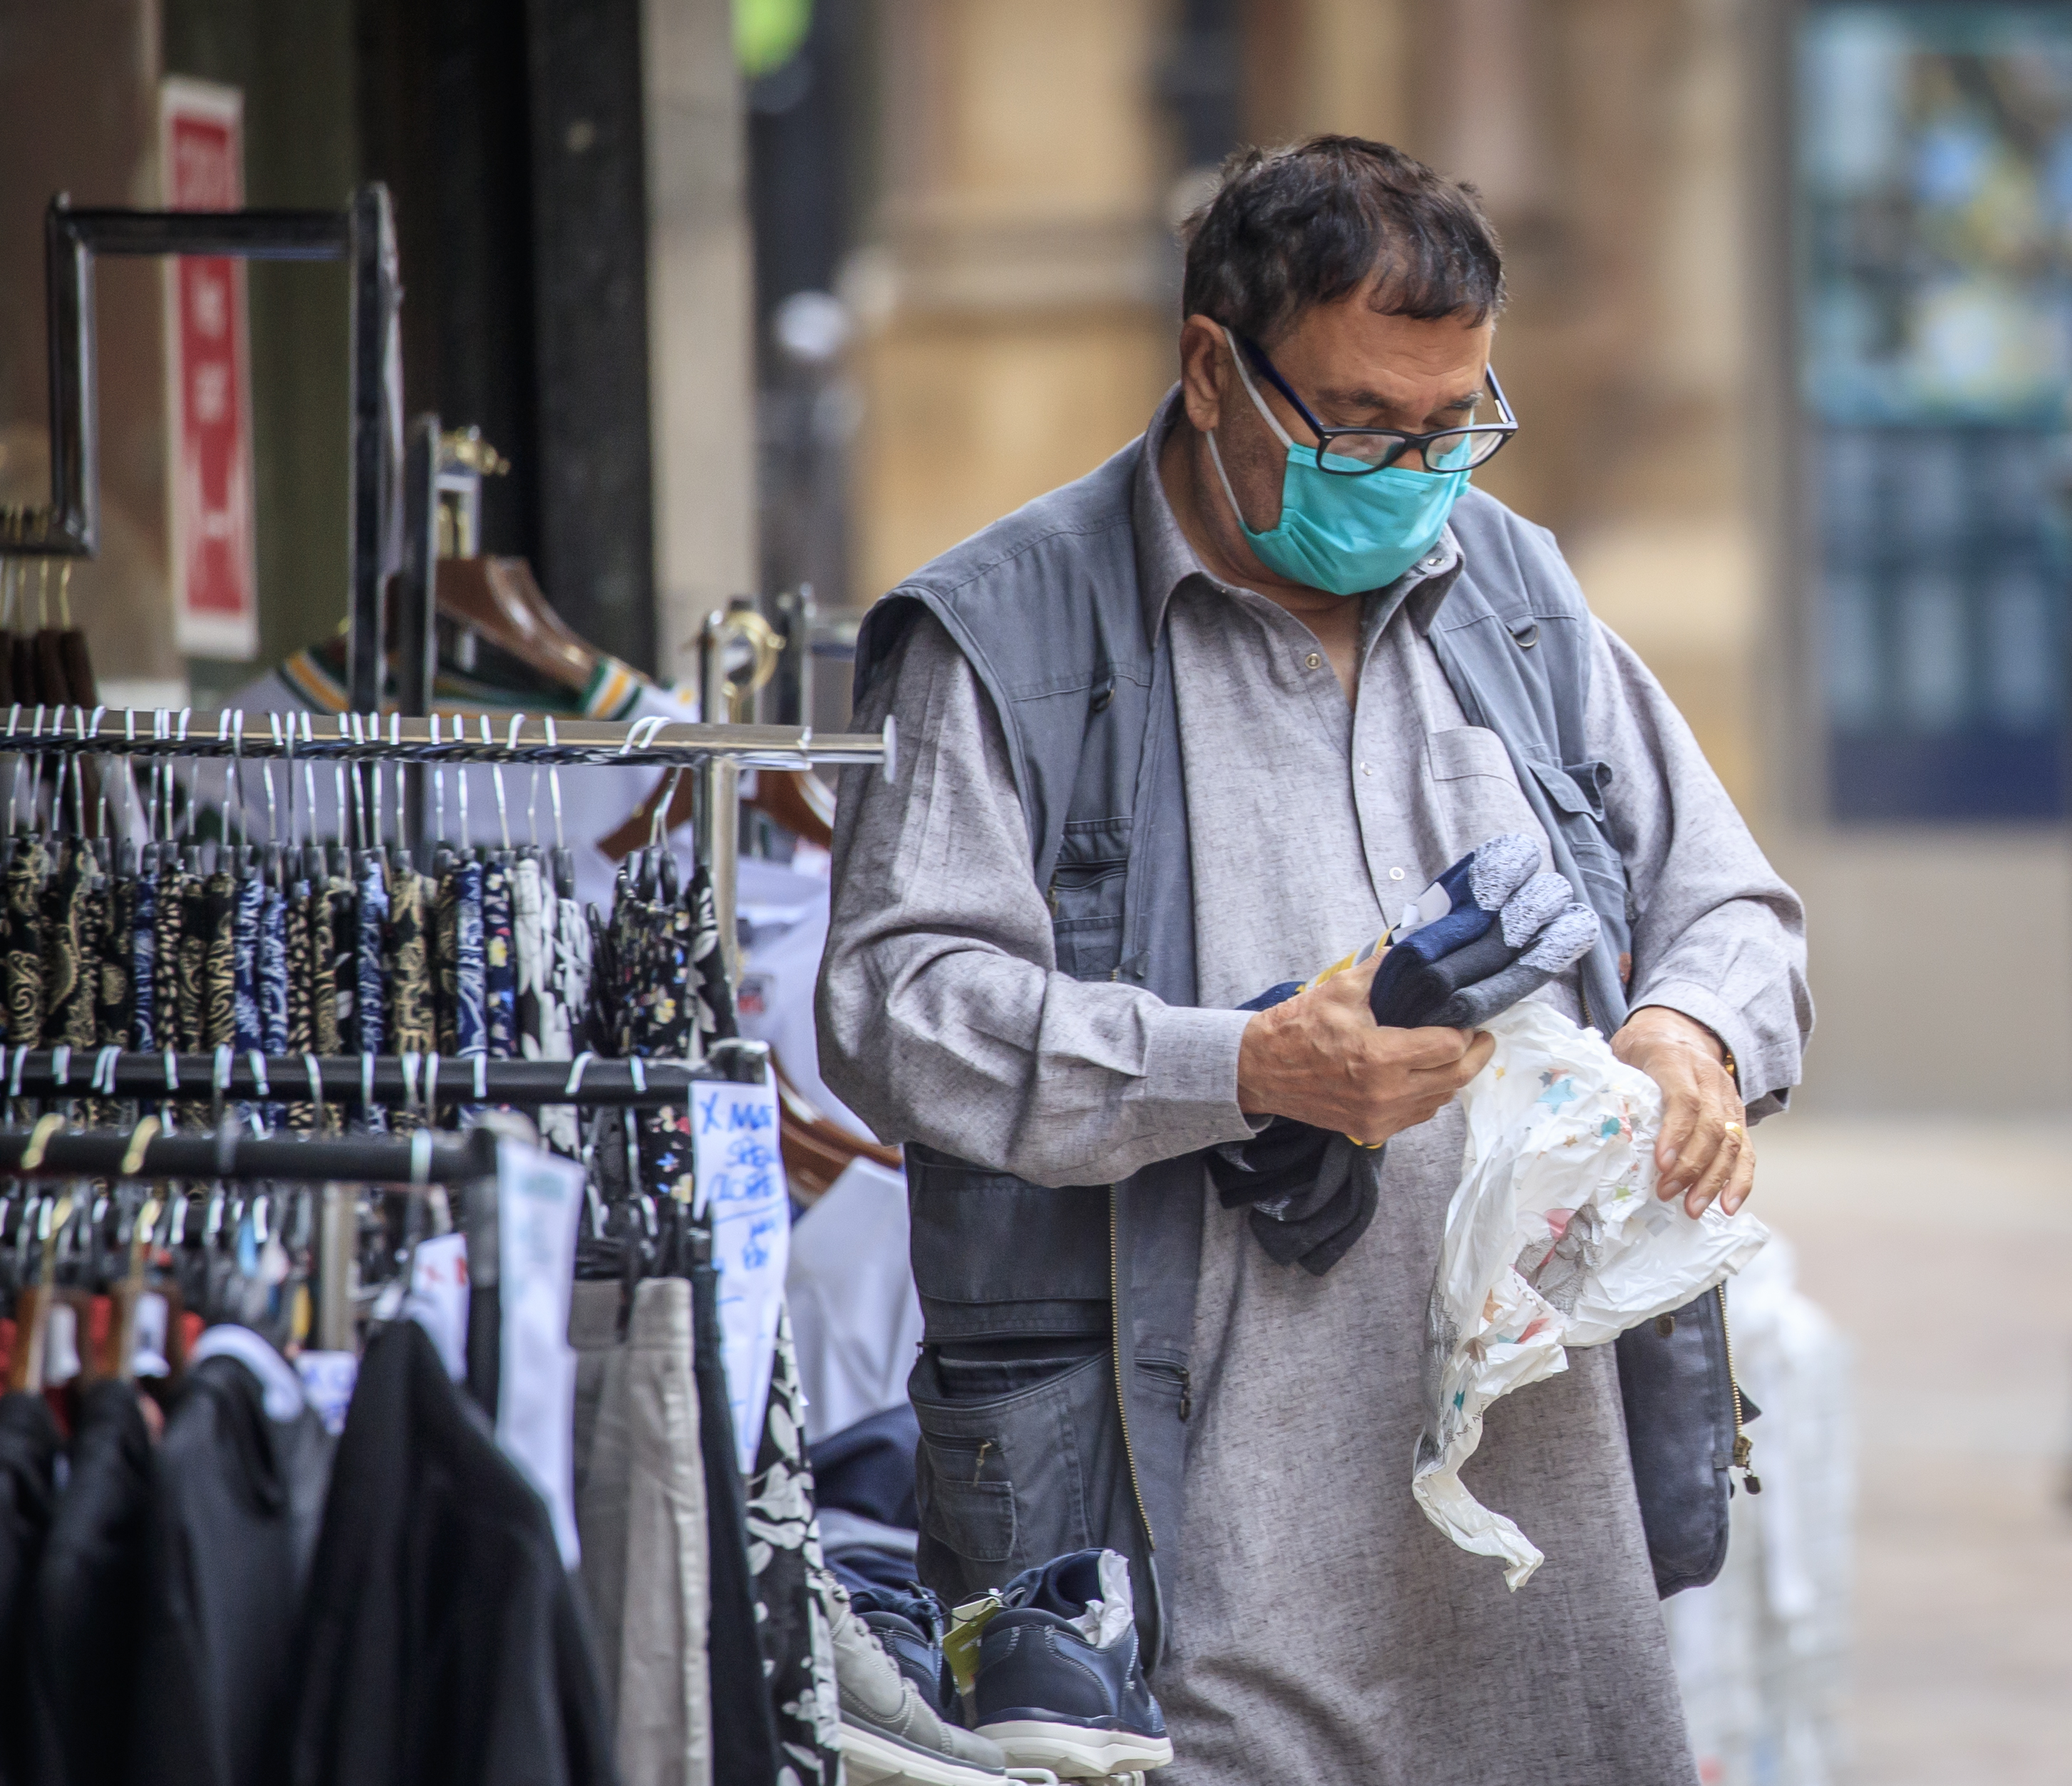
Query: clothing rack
x,y
386,1081
363,234
420,1159
364,738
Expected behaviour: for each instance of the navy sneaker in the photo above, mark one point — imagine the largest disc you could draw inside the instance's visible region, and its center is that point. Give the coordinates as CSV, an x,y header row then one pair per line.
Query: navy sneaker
x,y
1060,1683
910,1625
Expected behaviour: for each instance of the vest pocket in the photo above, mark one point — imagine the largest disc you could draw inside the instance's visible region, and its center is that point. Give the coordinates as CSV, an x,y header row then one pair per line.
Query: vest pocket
x,y
994,1254
1086,897
1012,1481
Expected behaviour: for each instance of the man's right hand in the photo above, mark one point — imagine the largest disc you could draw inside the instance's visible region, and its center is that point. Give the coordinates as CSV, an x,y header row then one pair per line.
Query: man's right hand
x,y
1320,1058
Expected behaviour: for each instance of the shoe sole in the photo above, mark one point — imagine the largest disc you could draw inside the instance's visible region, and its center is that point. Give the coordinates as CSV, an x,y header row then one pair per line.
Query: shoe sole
x,y
869,1759
1075,1753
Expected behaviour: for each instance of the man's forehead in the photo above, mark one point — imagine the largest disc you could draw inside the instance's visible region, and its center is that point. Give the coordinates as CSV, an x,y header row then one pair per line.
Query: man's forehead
x,y
1349,349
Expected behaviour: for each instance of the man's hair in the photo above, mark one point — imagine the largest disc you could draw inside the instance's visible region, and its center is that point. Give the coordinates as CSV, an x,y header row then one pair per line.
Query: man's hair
x,y
1313,223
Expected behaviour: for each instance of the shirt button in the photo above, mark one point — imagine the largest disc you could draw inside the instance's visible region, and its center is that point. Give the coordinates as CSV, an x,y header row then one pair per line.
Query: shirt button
x,y
1366,768
1314,661
1395,874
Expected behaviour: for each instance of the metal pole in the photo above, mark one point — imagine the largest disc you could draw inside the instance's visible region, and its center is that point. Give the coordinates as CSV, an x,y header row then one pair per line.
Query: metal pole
x,y
338,1267
375,441
719,799
416,602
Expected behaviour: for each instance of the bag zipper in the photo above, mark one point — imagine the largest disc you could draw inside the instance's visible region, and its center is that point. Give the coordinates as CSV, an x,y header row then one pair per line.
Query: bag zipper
x,y
1116,1347
1744,1446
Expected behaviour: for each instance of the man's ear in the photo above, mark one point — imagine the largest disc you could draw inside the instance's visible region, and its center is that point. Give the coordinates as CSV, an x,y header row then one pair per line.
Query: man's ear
x,y
1204,365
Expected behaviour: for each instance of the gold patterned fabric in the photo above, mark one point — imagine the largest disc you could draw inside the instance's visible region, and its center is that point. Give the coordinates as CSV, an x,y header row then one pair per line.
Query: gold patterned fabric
x,y
24,965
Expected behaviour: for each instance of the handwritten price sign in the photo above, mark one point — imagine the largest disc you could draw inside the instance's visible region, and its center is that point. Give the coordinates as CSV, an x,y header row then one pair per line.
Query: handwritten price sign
x,y
740,1176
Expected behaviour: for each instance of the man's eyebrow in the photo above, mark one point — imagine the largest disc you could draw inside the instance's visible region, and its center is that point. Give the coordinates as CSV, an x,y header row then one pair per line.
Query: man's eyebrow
x,y
1354,401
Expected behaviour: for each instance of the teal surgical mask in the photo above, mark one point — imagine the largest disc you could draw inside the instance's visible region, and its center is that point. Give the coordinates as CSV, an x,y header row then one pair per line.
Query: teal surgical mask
x,y
1344,534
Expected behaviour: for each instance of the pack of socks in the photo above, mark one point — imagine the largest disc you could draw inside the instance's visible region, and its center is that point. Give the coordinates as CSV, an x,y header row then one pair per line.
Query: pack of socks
x,y
1492,930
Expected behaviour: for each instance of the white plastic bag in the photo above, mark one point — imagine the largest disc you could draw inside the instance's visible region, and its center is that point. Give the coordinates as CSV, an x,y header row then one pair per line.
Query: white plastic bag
x,y
1555,1238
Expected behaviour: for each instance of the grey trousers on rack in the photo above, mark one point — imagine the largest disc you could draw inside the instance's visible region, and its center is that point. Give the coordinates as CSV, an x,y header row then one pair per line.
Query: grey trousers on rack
x,y
640,1507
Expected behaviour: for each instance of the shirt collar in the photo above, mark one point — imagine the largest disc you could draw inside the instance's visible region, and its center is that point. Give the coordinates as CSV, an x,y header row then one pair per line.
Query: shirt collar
x,y
1165,560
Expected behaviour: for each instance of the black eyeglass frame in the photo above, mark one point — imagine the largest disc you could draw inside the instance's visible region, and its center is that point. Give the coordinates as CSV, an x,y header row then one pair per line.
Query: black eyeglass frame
x,y
1505,426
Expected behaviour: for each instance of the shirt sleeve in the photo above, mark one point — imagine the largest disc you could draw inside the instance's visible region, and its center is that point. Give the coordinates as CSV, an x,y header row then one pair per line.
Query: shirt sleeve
x,y
1717,934
943,1018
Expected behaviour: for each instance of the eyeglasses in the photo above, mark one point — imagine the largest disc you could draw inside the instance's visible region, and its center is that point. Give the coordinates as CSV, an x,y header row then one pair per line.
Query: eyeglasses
x,y
1356,452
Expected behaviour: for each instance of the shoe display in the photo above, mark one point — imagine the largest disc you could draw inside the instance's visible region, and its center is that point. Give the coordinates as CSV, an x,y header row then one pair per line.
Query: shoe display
x,y
889,1732
911,1624
1060,1681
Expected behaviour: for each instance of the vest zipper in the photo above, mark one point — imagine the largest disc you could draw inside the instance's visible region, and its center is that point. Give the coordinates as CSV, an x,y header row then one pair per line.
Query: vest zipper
x,y
1121,1400
1744,1447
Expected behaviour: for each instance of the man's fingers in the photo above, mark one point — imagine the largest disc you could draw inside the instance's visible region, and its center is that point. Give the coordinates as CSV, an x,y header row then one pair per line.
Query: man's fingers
x,y
1727,1151
1424,1049
1681,1109
1743,1180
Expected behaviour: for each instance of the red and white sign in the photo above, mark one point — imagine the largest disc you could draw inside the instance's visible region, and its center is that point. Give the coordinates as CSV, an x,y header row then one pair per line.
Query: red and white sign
x,y
215,592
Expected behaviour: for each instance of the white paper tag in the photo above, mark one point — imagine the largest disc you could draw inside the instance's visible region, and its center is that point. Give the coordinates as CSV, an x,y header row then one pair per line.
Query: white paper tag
x,y
538,1197
741,1186
438,1301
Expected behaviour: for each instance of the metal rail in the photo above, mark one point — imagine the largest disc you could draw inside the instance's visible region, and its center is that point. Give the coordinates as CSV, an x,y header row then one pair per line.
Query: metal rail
x,y
160,732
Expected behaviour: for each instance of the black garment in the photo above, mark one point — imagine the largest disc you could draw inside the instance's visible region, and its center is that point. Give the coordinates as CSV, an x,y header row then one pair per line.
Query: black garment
x,y
867,1468
234,1529
90,1593
443,1641
744,1733
29,1446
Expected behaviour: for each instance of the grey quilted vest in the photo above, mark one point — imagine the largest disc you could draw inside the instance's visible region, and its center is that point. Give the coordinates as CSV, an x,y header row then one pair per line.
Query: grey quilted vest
x,y
1044,605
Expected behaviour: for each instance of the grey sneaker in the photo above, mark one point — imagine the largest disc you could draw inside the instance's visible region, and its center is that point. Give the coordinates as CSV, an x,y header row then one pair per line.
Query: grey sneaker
x,y
889,1733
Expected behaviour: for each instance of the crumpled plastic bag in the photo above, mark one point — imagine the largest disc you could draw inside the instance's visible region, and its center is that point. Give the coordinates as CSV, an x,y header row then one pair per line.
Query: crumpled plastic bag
x,y
1554,1238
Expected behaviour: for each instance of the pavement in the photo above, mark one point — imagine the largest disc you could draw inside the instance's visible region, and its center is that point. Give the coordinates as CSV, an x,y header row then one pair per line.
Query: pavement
x,y
1944,1250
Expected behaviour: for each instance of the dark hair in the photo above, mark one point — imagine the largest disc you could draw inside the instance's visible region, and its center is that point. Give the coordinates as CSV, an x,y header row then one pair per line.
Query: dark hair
x,y
1312,223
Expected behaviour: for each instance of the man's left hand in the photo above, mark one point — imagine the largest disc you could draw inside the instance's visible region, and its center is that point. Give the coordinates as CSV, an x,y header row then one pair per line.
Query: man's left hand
x,y
1702,1151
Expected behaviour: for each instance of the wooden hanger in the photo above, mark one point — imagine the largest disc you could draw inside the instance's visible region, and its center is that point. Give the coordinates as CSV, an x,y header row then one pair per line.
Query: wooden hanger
x,y
816,1148
499,598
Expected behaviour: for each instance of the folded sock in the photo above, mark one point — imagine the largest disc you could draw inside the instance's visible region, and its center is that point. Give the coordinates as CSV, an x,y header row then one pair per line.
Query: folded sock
x,y
1278,1163
1418,951
1534,906
1484,878
1412,997
1558,946
1322,1232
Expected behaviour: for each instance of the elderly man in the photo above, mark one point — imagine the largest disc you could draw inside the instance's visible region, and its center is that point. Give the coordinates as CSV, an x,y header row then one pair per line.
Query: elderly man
x,y
1203,722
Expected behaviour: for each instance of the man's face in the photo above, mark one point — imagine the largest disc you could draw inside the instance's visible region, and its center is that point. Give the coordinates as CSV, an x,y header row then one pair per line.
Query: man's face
x,y
1353,368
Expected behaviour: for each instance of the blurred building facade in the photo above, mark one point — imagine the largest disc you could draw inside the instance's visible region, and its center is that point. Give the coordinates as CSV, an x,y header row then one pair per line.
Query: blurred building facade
x,y
1848,579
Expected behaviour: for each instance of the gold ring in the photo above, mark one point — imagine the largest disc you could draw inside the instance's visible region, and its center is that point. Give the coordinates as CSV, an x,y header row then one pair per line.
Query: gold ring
x,y
1733,1128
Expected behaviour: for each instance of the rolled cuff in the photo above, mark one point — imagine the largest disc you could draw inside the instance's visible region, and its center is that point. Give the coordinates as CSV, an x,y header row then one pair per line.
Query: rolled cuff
x,y
1190,1074
1703,1005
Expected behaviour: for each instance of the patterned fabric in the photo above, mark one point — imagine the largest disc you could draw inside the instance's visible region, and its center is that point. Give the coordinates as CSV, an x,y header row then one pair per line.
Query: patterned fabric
x,y
530,947
68,983
565,1025
249,1032
716,1014
328,1014
500,969
111,1016
25,873
273,995
302,989
174,898
217,961
412,1026
144,963
367,1003
446,959
470,1018
792,1583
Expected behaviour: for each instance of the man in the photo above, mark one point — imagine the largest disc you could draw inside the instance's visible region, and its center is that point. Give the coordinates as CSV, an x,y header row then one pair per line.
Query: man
x,y
1188,728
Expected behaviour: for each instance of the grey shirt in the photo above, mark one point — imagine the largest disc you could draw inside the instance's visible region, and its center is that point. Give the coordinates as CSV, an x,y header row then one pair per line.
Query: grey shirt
x,y
1320,1629
944,1020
